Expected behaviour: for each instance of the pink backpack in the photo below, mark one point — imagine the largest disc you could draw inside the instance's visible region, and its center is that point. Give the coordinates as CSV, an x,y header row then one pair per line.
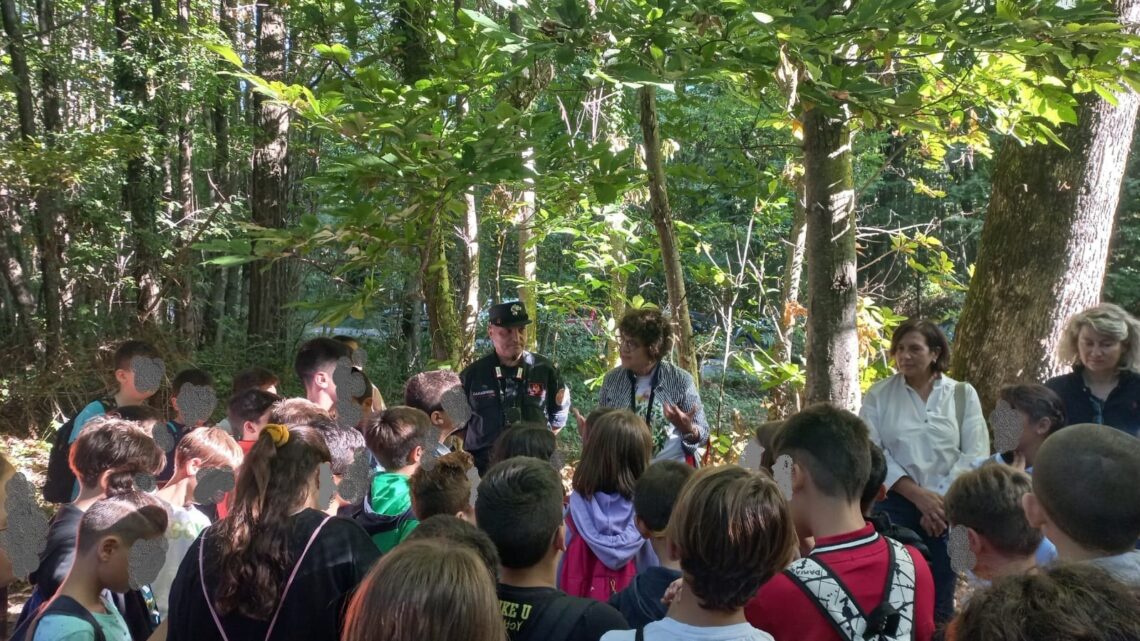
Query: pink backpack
x,y
583,575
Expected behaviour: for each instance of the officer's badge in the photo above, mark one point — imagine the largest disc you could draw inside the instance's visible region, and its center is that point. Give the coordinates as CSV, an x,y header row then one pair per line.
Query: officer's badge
x,y
516,310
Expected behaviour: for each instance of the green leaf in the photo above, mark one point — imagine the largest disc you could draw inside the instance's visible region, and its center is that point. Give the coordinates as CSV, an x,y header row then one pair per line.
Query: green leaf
x,y
227,54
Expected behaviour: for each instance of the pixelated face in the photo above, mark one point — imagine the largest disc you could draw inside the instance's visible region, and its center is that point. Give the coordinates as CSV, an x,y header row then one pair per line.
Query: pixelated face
x,y
431,454
212,483
355,481
163,438
913,356
326,485
196,403
146,482
634,355
145,558
508,341
962,558
1009,426
456,408
782,473
145,376
27,531
1098,353
473,478
348,384
751,456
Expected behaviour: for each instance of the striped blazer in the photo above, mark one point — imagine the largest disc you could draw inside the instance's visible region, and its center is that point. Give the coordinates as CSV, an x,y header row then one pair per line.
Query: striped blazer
x,y
674,385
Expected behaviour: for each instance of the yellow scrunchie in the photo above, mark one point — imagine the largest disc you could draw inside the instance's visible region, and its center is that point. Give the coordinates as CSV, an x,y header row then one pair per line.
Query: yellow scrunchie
x,y
279,433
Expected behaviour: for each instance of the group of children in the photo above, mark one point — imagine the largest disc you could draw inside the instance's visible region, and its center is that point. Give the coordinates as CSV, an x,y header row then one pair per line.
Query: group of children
x,y
283,522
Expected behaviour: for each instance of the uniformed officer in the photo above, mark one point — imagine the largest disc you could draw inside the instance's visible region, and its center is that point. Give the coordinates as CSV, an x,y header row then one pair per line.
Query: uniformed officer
x,y
510,385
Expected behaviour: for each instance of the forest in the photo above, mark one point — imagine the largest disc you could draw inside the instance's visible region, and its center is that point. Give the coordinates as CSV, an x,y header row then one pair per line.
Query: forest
x,y
788,180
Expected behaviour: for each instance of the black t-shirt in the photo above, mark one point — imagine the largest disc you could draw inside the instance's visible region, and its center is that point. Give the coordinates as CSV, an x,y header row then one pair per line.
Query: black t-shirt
x,y
314,607
529,391
547,614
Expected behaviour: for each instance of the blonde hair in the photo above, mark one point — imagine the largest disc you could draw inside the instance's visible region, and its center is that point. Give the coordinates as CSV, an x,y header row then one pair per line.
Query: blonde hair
x,y
1109,320
214,446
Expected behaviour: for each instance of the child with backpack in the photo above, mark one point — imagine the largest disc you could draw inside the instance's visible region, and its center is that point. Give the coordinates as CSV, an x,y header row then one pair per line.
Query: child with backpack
x,y
520,508
273,564
397,438
106,459
138,373
189,409
106,534
654,496
731,530
604,548
203,449
855,584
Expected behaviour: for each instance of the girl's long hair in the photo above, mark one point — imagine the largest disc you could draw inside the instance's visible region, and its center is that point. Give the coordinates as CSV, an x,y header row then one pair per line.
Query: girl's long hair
x,y
426,590
254,539
615,455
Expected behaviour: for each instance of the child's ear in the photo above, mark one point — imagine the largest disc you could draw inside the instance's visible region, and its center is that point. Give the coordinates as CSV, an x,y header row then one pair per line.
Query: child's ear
x,y
121,375
559,542
249,428
107,547
467,514
1041,427
1034,511
672,550
416,455
881,495
438,418
799,478
193,466
642,528
174,403
977,542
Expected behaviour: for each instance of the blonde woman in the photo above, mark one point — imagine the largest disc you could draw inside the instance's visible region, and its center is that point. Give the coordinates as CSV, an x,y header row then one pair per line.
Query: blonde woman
x,y
1103,345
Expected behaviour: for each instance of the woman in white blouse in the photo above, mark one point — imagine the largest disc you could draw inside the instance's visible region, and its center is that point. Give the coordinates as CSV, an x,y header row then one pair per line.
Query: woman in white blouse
x,y
931,430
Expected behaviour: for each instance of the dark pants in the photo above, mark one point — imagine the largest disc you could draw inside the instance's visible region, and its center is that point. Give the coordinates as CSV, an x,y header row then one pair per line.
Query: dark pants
x,y
482,459
903,512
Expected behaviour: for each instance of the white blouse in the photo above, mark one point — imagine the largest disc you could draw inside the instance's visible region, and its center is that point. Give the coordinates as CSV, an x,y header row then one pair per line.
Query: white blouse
x,y
923,440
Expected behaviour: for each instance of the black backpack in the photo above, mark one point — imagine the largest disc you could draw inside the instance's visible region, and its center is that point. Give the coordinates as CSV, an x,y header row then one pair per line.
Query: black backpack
x,y
59,481
61,605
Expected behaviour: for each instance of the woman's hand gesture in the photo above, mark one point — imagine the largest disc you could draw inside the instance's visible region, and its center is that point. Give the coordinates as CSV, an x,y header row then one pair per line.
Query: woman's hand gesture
x,y
679,418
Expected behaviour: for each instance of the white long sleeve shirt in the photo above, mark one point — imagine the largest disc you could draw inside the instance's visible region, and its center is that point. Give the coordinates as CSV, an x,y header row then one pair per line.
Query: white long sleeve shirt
x,y
923,440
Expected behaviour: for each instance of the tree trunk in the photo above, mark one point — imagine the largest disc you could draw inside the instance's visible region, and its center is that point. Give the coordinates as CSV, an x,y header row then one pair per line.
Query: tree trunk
x,y
528,250
619,281
225,280
234,279
19,58
269,279
1044,245
666,232
785,399
48,205
411,319
832,341
14,279
187,314
443,324
141,182
469,236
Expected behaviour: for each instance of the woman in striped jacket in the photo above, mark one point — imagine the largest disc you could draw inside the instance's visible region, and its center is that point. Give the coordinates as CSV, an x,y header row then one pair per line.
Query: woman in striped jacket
x,y
660,392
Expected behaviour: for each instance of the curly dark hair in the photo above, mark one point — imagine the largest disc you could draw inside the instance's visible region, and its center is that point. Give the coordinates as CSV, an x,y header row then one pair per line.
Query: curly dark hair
x,y
651,328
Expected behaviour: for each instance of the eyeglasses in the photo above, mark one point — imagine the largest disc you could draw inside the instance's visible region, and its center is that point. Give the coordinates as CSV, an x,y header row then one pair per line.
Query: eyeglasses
x,y
628,344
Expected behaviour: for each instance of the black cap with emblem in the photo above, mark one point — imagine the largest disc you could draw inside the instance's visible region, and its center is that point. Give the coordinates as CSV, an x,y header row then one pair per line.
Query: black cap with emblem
x,y
510,314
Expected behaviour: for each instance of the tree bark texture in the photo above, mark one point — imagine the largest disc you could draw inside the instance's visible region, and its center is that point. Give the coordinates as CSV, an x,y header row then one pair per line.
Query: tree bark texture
x,y
443,324
48,202
667,232
1044,246
141,181
832,341
268,285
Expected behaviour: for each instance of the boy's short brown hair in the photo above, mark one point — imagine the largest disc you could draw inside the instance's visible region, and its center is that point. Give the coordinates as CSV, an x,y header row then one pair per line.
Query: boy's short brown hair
x,y
127,350
109,443
656,492
130,516
833,445
394,434
733,531
212,445
988,500
1087,479
445,488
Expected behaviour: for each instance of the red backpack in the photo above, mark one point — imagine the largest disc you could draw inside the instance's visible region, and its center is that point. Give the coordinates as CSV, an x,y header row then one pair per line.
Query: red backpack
x,y
583,575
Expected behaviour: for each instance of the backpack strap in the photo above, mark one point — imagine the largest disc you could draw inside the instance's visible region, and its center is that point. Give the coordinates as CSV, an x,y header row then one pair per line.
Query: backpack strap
x,y
640,634
284,590
63,606
891,619
561,618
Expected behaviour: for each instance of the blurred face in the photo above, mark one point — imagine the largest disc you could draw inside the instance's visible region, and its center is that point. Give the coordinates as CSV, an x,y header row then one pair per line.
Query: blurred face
x,y
1032,434
912,355
508,342
1100,354
634,356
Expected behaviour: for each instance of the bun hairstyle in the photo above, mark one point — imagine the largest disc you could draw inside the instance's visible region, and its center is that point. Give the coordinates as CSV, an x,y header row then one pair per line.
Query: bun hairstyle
x,y
254,540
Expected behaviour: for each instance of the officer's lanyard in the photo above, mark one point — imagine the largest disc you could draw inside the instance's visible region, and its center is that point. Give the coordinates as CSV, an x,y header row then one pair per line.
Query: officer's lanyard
x,y
501,388
652,393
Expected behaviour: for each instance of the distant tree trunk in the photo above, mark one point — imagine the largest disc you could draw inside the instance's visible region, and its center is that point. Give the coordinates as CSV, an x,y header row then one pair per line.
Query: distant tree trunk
x,y
1044,245
619,281
269,280
412,318
15,280
666,232
469,237
187,313
443,324
48,201
785,401
141,182
235,277
528,250
832,341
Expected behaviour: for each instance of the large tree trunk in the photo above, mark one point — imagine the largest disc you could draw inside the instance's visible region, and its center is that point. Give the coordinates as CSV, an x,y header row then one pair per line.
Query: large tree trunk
x,y
469,237
141,182
832,342
187,313
528,249
268,282
48,201
666,232
785,399
1045,244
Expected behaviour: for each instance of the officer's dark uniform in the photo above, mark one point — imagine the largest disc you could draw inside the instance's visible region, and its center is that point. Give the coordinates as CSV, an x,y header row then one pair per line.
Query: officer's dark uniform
x,y
502,396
